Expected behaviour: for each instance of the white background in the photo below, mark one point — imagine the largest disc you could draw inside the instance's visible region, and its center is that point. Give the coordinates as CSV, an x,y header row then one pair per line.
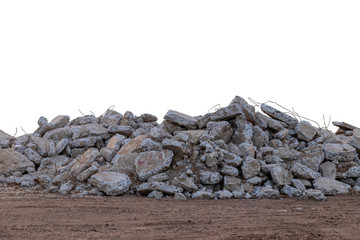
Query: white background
x,y
151,56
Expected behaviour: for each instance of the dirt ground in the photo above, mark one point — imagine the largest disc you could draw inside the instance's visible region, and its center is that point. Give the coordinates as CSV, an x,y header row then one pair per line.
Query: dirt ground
x,y
26,215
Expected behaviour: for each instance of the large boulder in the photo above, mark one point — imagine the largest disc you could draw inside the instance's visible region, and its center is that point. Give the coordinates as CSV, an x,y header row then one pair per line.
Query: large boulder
x,y
111,183
153,162
13,161
330,186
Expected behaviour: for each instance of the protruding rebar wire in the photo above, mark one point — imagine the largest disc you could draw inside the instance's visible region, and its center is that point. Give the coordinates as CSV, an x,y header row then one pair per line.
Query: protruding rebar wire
x,y
16,130
109,109
92,113
298,116
23,130
82,113
216,107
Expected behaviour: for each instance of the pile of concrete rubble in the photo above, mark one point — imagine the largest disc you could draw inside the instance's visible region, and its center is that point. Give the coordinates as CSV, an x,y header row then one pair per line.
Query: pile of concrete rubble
x,y
234,152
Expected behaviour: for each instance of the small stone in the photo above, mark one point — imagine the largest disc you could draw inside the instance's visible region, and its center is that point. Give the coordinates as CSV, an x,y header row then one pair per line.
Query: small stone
x,y
330,186
155,194
179,196
250,168
315,195
181,119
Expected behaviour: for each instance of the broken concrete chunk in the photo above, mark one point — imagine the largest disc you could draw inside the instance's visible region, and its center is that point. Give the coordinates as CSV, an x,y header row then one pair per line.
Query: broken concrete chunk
x,y
223,194
111,183
344,125
355,140
280,175
5,140
178,148
60,121
247,109
341,153
328,169
12,161
301,171
121,129
111,118
330,186
202,194
85,161
315,195
181,119
186,183
152,162
298,184
84,142
278,115
161,177
207,177
147,187
250,168
124,163
155,194
147,117
305,131
158,133
221,114
312,157
220,131
260,138
267,193
33,156
291,191
229,170
275,125
135,145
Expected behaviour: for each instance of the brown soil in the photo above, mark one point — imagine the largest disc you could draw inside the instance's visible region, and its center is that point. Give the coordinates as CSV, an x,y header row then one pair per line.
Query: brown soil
x,y
28,215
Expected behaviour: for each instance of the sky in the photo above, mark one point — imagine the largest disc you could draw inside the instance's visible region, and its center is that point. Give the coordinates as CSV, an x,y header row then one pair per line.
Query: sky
x,y
59,57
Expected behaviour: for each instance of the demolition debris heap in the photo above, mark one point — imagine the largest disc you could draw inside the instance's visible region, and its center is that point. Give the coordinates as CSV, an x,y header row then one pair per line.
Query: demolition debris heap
x,y
234,152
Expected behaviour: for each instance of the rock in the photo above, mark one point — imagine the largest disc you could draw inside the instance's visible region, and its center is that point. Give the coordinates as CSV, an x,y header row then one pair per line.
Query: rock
x,y
202,194
330,186
5,140
179,196
220,131
115,142
33,156
111,118
229,170
12,161
61,145
191,136
221,114
45,147
305,131
301,171
286,153
280,175
161,177
247,150
282,134
186,183
267,193
352,172
275,125
60,121
88,172
298,184
278,115
312,157
207,177
66,188
147,187
250,168
181,119
223,194
108,153
84,142
232,184
344,125
260,138
176,147
152,162
315,194
328,169
254,181
155,194
290,191
111,183
261,120
158,134
355,140
85,161
121,129
147,117
247,109
231,159
135,145
124,163
150,145
336,152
